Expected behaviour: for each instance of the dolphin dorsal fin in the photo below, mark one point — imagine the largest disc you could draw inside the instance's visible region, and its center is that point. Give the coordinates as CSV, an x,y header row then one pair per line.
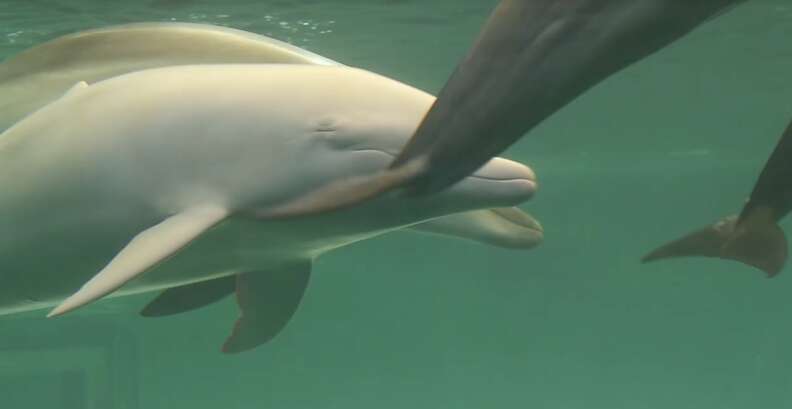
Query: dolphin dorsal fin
x,y
147,249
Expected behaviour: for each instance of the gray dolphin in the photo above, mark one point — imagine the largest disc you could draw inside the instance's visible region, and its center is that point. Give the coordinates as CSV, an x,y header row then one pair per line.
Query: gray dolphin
x,y
753,237
531,59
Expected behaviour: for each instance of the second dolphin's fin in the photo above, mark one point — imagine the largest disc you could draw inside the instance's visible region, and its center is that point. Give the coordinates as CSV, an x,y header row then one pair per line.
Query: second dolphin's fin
x,y
757,241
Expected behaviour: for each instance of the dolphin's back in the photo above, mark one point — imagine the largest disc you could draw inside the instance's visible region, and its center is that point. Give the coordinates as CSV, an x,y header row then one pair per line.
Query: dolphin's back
x,y
40,74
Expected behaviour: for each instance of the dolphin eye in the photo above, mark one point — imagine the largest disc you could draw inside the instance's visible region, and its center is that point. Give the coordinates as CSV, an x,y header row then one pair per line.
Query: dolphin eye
x,y
336,136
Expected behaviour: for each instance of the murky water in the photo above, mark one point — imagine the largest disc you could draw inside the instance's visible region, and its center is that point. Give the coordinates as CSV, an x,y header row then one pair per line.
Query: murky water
x,y
411,321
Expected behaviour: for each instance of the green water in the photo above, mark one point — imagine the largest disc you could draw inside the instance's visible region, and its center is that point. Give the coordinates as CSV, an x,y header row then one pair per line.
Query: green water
x,y
410,321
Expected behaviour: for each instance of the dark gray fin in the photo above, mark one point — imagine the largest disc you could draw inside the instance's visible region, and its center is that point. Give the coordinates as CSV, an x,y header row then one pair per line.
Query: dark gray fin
x,y
267,301
756,241
345,193
759,241
706,242
190,297
530,60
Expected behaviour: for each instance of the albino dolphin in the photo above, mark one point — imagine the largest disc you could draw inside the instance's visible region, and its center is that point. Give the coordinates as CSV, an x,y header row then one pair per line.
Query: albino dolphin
x,y
753,237
40,74
157,179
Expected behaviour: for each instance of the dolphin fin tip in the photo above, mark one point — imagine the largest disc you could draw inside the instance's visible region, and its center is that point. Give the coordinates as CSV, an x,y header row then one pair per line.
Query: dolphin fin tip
x,y
70,304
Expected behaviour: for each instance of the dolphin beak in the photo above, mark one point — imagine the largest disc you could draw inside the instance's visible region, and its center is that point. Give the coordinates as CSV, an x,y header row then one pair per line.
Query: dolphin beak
x,y
518,229
505,169
503,182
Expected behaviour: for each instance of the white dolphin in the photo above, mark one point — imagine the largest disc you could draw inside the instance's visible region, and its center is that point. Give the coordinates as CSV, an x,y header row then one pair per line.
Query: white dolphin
x,y
38,75
166,172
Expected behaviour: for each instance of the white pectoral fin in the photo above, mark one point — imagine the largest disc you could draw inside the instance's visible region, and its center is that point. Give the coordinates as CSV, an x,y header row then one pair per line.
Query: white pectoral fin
x,y
147,249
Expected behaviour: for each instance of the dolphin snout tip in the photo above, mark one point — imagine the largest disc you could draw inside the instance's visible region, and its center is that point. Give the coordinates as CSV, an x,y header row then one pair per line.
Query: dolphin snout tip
x,y
505,169
518,180
505,182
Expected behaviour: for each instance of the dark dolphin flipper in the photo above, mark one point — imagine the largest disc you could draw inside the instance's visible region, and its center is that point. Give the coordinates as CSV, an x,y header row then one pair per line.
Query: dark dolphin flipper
x,y
531,59
753,237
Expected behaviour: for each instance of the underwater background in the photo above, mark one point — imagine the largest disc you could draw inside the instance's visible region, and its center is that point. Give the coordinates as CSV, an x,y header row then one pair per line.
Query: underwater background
x,y
416,321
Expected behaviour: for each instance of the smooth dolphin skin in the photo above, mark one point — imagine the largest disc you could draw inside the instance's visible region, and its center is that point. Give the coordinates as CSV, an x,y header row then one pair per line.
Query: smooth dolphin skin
x,y
531,59
165,186
40,74
43,73
754,237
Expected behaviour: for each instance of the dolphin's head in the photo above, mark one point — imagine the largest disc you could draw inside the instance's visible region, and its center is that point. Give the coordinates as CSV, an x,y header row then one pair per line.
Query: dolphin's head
x,y
361,148
350,136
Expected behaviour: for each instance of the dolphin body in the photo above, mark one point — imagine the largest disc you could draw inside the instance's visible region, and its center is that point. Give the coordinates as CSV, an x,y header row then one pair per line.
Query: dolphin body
x,y
157,179
40,74
753,237
36,76
531,58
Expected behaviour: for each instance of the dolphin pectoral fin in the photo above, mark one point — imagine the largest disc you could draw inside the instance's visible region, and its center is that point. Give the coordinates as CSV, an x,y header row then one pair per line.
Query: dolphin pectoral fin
x,y
267,301
759,243
345,193
190,297
502,227
143,252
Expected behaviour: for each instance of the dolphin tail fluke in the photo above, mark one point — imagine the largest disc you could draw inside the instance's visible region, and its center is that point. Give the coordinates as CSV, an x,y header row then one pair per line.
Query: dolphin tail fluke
x,y
757,241
760,243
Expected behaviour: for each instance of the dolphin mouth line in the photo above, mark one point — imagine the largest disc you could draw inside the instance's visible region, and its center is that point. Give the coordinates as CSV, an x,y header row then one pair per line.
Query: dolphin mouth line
x,y
518,179
474,176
